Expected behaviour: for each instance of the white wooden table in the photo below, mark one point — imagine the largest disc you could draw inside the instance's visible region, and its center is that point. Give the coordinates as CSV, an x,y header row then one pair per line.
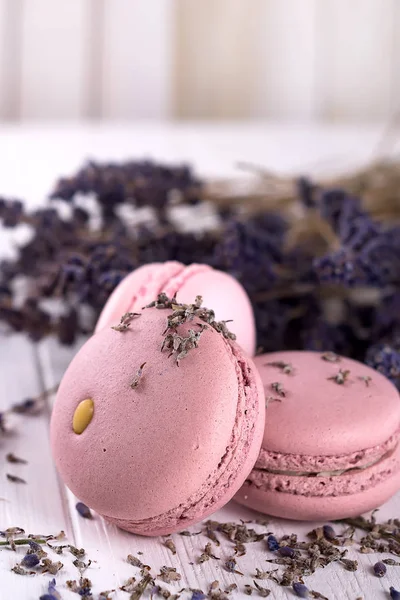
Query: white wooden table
x,y
31,157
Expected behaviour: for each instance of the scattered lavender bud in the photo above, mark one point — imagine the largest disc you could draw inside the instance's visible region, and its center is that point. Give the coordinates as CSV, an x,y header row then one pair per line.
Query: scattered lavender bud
x,y
341,377
125,321
330,357
329,532
138,376
380,569
286,551
300,590
278,388
52,592
15,478
30,560
230,566
272,543
286,368
198,595
170,545
394,594
84,510
11,458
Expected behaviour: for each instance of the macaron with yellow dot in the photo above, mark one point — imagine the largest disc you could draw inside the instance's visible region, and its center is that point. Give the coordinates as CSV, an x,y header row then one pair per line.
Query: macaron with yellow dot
x,y
159,418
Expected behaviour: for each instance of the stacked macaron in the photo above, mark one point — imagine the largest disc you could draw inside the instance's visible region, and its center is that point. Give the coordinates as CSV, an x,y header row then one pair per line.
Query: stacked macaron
x,y
331,442
159,419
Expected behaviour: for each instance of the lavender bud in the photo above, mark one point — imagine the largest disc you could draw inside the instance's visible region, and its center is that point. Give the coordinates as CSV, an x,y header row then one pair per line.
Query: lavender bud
x,y
394,594
84,510
300,590
379,569
286,551
30,561
329,532
272,543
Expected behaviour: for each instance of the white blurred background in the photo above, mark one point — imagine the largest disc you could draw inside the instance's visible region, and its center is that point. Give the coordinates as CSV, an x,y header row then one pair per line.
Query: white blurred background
x,y
304,60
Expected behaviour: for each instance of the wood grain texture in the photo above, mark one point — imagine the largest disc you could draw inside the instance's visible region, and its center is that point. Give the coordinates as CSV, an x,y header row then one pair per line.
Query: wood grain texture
x,y
54,57
38,505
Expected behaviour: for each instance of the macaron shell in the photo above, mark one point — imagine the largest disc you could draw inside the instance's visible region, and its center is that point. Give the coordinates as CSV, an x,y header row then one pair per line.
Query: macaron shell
x,y
250,423
220,291
318,416
136,290
183,441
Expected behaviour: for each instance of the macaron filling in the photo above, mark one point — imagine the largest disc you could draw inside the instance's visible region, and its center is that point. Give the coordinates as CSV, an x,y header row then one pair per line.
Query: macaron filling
x,y
344,482
333,473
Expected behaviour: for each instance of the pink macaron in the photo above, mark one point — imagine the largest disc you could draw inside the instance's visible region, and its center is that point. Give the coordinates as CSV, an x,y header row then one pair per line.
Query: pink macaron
x,y
218,289
331,448
156,425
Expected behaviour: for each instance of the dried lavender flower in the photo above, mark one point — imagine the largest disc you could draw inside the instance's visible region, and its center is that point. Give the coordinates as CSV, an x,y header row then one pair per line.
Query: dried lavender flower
x,y
278,388
169,574
52,593
84,510
394,594
134,561
286,368
329,532
380,569
51,567
349,565
301,590
125,321
230,566
170,545
198,595
30,560
287,551
138,376
340,377
207,554
330,357
272,543
11,458
15,478
262,591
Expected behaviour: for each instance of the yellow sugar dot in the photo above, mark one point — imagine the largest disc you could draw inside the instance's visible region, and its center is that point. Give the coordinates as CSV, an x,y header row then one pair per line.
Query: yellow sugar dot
x,y
83,415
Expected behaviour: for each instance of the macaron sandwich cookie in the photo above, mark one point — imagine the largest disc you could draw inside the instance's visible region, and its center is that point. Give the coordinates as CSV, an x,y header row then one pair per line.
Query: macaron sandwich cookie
x,y
331,446
219,290
160,416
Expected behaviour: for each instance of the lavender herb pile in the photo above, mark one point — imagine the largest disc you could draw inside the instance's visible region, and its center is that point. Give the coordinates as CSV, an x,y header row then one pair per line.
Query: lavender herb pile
x,y
289,561
322,271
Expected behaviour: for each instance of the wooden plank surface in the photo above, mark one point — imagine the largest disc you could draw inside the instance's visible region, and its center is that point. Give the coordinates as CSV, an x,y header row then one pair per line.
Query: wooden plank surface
x,y
43,505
